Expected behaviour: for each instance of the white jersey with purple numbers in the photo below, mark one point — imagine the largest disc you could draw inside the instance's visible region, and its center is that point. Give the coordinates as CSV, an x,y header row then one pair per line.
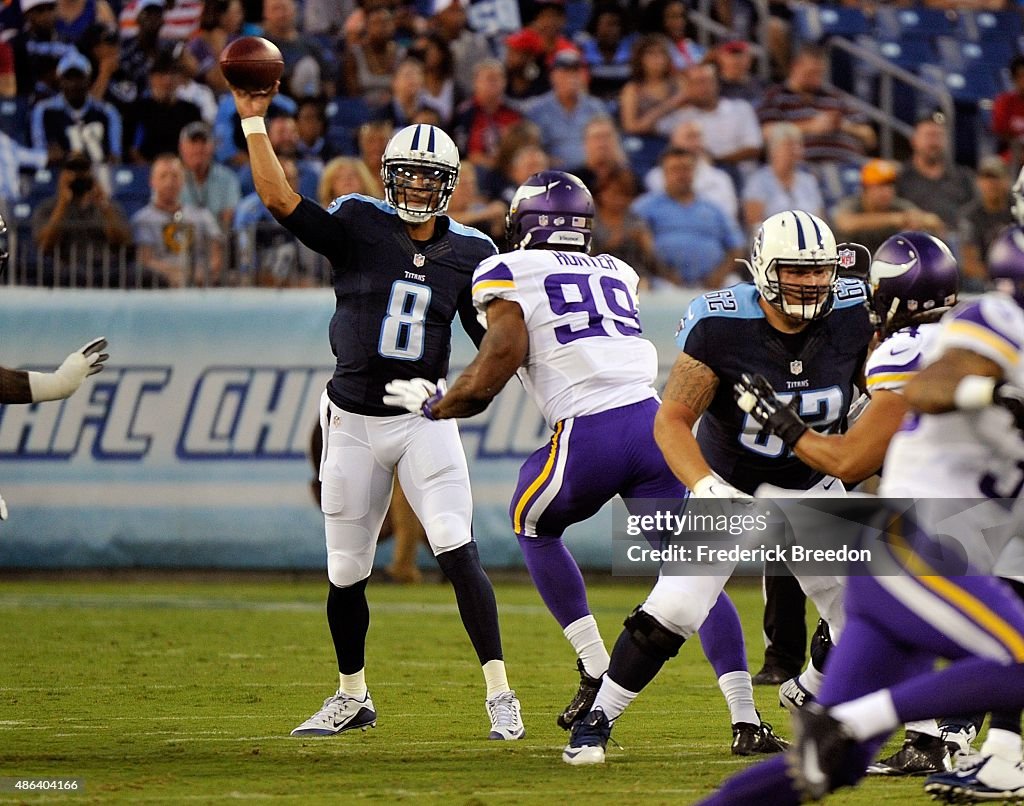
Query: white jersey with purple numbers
x,y
898,358
586,354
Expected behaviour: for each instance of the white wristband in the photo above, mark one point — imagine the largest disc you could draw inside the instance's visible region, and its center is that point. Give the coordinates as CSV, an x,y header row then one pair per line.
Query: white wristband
x,y
974,392
253,125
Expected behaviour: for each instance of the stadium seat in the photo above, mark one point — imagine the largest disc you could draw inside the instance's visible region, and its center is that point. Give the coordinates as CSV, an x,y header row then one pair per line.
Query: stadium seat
x,y
130,187
911,23
815,23
968,88
643,152
42,185
986,26
344,117
909,53
14,119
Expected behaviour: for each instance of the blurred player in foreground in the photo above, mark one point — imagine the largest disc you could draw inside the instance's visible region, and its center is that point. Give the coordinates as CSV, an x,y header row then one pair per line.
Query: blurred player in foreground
x,y
965,443
21,386
567,323
913,281
401,272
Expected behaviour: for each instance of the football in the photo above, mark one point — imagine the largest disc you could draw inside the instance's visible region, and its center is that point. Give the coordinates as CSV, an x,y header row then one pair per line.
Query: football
x,y
251,63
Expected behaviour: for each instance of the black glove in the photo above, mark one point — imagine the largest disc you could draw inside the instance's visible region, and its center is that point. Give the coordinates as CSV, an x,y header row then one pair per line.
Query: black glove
x,y
1011,398
757,398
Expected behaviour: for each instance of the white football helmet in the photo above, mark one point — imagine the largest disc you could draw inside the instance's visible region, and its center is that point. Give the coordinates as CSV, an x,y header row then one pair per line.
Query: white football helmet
x,y
795,239
420,169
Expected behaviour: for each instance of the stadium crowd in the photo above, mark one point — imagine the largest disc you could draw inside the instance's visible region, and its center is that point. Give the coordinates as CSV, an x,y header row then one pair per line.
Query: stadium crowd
x,y
122,161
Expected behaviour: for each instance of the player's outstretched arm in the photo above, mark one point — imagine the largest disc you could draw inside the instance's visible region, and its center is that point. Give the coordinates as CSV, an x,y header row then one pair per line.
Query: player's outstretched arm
x,y
959,379
19,386
267,173
690,388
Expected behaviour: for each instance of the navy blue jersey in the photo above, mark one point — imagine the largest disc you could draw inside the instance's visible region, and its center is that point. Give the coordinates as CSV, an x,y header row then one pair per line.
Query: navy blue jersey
x,y
396,299
727,331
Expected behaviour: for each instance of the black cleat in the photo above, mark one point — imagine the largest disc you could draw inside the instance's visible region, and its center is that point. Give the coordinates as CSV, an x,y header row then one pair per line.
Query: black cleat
x,y
821,745
748,739
772,676
920,754
582,702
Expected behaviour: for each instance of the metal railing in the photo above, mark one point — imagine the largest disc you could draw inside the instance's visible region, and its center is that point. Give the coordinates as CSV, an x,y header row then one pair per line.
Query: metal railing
x,y
885,114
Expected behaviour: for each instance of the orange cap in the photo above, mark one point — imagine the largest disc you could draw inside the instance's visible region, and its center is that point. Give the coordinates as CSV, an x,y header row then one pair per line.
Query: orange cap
x,y
877,172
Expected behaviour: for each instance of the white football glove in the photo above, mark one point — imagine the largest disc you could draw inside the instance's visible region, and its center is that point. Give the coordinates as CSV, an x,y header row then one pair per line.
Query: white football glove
x,y
713,487
415,396
69,375
3,509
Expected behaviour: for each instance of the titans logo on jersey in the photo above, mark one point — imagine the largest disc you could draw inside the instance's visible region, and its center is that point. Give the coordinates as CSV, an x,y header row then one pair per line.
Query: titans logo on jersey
x,y
396,298
727,331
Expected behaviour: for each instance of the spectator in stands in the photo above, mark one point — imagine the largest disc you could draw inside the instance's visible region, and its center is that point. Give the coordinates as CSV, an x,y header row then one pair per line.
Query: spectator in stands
x,y
72,121
311,125
709,183
162,116
468,47
439,89
781,184
668,17
140,52
75,16
369,63
80,230
833,132
618,231
607,48
736,79
530,51
470,207
15,159
283,133
219,24
102,47
1008,114
691,234
930,179
484,116
179,24
563,113
269,255
654,90
602,152
732,136
227,128
178,245
305,71
8,82
407,95
208,184
524,162
372,140
878,213
982,219
325,17
343,176
37,49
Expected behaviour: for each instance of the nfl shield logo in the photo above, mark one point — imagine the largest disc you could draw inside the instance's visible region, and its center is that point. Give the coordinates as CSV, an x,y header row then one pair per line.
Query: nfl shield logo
x,y
418,260
796,367
847,258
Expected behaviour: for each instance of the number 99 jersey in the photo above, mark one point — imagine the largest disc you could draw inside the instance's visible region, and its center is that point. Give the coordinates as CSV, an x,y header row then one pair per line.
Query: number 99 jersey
x,y
727,331
585,353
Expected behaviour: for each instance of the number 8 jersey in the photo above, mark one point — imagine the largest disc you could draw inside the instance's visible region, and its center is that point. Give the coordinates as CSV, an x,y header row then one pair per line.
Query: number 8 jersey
x,y
727,331
586,354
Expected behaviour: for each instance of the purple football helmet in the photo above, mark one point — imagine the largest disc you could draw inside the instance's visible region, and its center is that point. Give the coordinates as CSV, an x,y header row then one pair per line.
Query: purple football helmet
x,y
1006,262
3,247
914,278
553,208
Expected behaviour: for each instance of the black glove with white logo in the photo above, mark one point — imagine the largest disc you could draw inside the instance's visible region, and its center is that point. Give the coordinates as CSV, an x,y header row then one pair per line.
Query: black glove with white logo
x,y
757,398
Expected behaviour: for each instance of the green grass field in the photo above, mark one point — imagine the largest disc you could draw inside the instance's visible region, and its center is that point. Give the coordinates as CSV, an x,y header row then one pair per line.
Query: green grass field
x,y
160,690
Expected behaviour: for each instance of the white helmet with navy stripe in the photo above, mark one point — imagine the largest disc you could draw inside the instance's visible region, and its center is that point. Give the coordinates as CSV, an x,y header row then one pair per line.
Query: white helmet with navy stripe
x,y
420,169
804,243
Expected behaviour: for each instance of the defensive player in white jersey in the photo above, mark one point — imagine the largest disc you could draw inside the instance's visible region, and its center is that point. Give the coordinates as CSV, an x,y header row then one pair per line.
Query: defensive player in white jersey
x,y
913,280
567,323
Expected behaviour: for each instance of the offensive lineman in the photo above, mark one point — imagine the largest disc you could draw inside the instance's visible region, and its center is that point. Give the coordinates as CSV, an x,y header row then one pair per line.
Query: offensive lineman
x,y
567,322
401,272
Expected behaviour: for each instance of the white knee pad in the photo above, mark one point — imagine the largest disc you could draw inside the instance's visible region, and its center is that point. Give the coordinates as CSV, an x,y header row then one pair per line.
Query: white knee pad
x,y
346,568
677,608
447,531
826,592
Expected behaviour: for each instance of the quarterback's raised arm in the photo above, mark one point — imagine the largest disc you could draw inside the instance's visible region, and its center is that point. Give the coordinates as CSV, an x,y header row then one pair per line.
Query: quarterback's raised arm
x,y
690,388
267,173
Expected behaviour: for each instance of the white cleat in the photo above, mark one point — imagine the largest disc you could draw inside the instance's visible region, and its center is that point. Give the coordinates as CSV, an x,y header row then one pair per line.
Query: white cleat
x,y
506,719
340,712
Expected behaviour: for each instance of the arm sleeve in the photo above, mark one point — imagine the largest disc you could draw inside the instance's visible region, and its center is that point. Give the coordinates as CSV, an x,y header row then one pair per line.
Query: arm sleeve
x,y
691,335
320,230
493,279
894,362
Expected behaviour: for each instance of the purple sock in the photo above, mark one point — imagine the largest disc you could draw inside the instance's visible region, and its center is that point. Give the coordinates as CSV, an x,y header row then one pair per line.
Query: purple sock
x,y
721,638
973,684
766,784
557,578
